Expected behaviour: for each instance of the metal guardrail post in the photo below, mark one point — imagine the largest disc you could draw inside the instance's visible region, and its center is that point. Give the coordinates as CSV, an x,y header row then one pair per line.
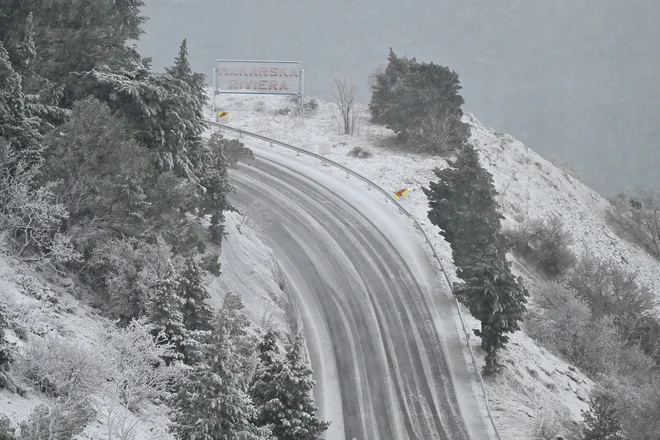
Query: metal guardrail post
x,y
388,198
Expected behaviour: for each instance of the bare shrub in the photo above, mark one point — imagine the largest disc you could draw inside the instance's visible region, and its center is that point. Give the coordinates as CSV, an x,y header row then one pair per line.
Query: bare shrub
x,y
637,216
547,425
283,111
563,322
343,94
545,243
638,405
29,214
62,368
139,373
259,106
121,424
610,290
310,105
360,153
61,421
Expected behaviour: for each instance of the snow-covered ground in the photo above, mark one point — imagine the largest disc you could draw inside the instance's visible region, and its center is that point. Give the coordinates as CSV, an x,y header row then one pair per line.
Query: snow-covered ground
x,y
536,387
45,304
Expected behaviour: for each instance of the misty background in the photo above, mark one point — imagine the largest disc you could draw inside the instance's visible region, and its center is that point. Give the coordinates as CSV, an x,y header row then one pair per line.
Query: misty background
x,y
577,80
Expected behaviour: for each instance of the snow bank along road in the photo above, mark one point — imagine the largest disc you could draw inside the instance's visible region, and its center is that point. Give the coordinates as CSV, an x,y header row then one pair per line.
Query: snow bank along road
x,y
379,351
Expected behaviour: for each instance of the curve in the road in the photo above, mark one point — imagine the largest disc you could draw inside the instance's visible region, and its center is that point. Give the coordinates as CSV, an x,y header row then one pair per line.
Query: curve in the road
x,y
393,376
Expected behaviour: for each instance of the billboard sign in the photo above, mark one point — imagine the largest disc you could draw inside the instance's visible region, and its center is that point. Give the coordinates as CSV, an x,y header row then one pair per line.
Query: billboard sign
x,y
258,77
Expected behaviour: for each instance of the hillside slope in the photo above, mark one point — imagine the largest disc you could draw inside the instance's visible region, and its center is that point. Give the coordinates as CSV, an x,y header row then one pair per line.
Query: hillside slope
x,y
41,304
536,389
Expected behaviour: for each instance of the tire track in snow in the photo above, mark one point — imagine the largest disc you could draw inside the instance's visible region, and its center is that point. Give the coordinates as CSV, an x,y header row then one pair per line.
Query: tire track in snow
x,y
405,334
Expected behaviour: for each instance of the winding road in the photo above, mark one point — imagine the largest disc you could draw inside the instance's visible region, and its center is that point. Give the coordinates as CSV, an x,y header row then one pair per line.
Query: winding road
x,y
386,355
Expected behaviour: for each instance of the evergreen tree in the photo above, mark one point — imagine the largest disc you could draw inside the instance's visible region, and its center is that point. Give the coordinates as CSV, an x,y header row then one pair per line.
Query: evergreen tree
x,y
197,314
601,422
408,93
166,311
384,83
215,180
74,36
23,55
211,403
283,391
17,126
155,103
232,316
463,205
42,96
195,84
496,298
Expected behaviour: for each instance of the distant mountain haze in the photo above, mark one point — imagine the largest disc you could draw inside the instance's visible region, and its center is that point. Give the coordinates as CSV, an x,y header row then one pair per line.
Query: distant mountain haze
x,y
579,80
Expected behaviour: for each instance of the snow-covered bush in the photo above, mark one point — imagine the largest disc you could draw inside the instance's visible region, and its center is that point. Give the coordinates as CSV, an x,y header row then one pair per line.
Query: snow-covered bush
x,y
612,291
29,214
564,323
234,151
7,430
545,243
63,368
360,153
61,421
311,105
638,404
138,371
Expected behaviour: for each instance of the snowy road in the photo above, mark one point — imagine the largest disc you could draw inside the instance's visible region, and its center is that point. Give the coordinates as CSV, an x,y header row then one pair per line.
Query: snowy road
x,y
377,318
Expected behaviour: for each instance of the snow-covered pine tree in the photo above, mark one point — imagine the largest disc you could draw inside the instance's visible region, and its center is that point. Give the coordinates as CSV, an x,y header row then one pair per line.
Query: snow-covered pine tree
x,y
601,421
463,205
211,402
496,298
41,95
94,32
383,84
197,314
215,180
270,366
181,70
195,84
157,104
283,393
19,129
408,93
165,312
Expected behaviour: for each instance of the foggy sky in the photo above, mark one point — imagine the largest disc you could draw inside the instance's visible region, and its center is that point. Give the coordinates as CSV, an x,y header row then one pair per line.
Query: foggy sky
x,y
575,79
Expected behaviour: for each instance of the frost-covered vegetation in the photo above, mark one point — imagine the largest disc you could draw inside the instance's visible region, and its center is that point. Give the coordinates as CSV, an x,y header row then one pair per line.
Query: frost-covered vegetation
x,y
105,181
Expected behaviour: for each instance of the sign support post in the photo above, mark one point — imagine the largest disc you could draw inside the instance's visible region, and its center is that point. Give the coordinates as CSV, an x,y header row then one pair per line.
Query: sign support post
x,y
215,92
302,96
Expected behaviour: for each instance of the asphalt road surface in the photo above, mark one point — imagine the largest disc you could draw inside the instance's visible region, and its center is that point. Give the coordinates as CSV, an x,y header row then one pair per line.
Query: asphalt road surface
x,y
363,306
